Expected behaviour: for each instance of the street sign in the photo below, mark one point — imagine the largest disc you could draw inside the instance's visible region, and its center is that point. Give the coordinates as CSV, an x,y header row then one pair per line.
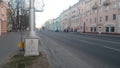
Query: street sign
x,y
39,4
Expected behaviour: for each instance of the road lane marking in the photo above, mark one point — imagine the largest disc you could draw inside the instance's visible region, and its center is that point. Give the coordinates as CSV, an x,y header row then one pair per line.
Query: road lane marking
x,y
102,40
118,50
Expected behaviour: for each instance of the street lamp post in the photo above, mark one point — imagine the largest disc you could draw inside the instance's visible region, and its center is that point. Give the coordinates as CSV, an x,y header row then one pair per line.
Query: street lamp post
x,y
32,19
32,42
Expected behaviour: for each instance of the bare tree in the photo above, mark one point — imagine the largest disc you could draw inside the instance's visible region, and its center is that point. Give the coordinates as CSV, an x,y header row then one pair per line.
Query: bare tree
x,y
11,15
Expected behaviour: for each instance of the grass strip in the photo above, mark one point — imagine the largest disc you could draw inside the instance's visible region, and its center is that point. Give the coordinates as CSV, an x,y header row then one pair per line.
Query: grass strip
x,y
20,61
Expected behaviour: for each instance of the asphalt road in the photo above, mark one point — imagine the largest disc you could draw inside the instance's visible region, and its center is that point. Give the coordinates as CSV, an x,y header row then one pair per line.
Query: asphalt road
x,y
8,45
75,50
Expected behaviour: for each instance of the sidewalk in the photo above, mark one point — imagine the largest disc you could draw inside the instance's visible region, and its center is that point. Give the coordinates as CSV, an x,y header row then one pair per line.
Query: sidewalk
x,y
8,45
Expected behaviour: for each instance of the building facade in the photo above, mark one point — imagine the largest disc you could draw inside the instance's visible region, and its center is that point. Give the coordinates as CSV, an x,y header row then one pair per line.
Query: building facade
x,y
102,16
72,18
49,25
92,16
57,23
65,20
53,24
3,16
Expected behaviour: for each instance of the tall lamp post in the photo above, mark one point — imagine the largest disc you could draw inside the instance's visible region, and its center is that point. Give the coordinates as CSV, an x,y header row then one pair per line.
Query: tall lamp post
x,y
32,42
32,19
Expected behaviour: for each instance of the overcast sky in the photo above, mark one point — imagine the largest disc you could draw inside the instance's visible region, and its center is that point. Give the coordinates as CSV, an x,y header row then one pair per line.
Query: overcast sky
x,y
52,9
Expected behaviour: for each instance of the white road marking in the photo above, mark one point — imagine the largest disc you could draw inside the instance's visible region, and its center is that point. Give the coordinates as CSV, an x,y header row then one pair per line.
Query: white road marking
x,y
118,50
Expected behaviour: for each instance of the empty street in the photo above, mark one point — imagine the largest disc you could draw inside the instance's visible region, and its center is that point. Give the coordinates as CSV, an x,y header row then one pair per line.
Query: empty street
x,y
78,50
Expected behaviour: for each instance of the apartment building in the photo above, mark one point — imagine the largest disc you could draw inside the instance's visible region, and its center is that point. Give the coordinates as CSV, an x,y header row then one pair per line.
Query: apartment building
x,y
65,20
3,16
75,17
53,24
49,25
57,23
72,17
93,16
102,16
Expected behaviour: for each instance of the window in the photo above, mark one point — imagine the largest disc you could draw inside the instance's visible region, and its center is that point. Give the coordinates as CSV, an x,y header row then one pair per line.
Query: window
x,y
94,29
2,26
91,29
73,11
81,27
95,20
87,20
107,8
106,29
90,20
101,9
106,18
90,13
114,16
100,19
79,12
112,29
95,11
114,5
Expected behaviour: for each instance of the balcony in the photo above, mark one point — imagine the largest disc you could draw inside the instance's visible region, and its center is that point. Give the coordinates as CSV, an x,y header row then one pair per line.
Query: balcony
x,y
106,2
95,6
